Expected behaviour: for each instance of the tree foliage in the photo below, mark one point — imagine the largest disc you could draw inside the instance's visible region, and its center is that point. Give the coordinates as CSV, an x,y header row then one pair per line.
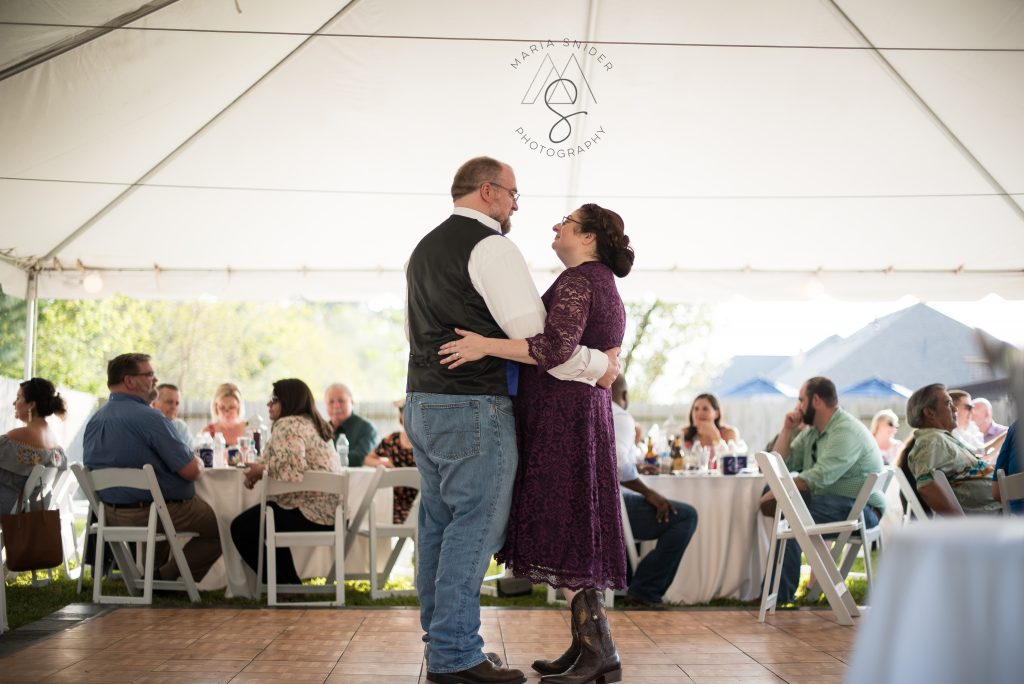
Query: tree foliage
x,y
661,355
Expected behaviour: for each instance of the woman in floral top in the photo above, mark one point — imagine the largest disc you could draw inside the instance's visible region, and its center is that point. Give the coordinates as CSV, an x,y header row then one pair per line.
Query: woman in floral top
x,y
300,441
395,451
23,448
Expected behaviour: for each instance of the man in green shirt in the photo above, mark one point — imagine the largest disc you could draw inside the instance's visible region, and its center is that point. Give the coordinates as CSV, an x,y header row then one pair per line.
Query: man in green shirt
x,y
361,435
833,455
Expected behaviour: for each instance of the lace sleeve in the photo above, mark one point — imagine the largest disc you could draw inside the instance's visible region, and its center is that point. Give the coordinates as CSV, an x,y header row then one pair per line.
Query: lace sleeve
x,y
563,327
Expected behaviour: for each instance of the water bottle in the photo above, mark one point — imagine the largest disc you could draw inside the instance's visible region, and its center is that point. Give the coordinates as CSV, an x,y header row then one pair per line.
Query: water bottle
x,y
342,447
220,448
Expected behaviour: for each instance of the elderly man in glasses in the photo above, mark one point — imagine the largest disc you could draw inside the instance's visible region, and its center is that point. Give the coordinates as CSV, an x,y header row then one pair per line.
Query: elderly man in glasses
x,y
833,455
128,433
466,274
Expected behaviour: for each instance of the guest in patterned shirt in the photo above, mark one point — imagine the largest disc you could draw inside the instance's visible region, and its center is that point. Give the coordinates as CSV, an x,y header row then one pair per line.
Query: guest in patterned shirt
x,y
395,451
300,441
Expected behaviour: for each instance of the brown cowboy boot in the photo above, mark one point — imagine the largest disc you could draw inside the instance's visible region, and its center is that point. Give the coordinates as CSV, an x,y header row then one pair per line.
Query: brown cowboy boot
x,y
598,661
565,661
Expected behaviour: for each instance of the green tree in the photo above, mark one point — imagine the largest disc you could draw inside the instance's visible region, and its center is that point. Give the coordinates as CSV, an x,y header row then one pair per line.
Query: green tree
x,y
657,355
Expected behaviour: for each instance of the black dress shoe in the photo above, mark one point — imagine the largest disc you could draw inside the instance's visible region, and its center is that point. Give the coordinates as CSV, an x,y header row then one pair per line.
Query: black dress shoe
x,y
483,673
494,658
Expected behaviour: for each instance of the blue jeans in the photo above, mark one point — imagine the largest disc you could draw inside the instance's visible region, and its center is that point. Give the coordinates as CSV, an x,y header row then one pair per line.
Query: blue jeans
x,y
824,508
658,568
465,449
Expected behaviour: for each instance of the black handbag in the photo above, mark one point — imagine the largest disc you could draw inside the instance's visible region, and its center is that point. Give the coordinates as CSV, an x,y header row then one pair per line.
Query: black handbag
x,y
32,540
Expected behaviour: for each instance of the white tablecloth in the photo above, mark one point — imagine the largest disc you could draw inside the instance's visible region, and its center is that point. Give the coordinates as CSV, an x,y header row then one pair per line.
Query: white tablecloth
x,y
224,490
722,559
947,607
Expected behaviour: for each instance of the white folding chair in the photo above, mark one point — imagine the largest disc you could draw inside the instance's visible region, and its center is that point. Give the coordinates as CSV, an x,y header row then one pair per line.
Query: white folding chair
x,y
1011,488
849,545
793,521
376,530
94,481
940,480
272,539
3,586
912,510
64,490
36,494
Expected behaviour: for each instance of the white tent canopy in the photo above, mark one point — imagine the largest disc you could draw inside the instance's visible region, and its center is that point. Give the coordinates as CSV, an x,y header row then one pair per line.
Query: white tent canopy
x,y
258,148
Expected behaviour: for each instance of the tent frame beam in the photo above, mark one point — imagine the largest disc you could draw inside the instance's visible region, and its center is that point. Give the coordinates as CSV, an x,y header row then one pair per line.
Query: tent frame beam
x,y
173,154
87,36
930,113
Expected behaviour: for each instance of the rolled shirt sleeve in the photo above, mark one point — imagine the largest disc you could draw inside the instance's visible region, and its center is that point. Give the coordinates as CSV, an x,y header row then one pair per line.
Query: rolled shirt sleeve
x,y
500,274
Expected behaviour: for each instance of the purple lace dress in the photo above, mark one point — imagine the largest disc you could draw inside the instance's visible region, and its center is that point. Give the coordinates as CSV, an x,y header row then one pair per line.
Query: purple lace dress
x,y
564,528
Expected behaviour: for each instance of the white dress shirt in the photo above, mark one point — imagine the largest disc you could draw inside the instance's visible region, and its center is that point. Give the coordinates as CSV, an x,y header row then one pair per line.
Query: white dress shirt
x,y
626,451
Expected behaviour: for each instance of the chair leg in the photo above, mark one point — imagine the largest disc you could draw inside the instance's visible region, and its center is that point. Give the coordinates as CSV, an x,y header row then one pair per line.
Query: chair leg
x,y
271,559
834,587
375,593
767,597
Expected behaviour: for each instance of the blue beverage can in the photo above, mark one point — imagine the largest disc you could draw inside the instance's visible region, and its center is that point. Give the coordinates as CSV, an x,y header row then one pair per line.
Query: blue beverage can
x,y
206,454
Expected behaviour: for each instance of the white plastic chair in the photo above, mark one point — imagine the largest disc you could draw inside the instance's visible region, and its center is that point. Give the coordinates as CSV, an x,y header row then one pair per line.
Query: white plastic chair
x,y
940,480
793,521
1011,488
272,539
64,490
3,586
94,481
913,510
376,530
848,546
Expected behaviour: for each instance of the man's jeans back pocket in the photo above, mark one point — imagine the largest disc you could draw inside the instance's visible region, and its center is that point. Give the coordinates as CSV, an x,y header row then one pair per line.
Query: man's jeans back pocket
x,y
451,429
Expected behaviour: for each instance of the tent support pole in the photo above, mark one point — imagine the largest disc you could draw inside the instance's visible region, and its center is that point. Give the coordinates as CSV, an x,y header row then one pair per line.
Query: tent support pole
x,y
31,317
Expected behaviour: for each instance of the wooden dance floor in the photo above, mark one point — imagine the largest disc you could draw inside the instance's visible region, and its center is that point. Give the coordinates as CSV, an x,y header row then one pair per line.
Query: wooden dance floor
x,y
382,646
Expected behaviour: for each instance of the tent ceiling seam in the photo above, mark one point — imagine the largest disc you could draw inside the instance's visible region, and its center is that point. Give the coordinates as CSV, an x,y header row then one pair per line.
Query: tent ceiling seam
x,y
89,223
89,34
931,113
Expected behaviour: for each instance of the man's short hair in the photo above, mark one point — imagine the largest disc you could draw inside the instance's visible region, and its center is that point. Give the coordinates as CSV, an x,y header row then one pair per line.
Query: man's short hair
x,y
984,402
475,173
166,385
122,365
825,390
957,395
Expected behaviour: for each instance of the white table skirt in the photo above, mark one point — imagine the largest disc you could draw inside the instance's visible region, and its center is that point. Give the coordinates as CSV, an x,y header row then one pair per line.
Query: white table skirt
x,y
224,490
947,606
722,559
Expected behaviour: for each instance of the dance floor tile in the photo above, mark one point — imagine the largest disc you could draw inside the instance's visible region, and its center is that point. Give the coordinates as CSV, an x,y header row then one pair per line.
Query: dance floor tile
x,y
359,646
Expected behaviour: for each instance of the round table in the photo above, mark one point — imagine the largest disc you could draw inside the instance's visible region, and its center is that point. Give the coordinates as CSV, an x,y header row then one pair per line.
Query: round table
x,y
722,559
224,490
947,606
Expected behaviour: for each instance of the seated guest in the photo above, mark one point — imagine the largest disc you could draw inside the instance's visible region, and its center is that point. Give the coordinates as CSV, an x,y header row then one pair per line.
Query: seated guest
x,y
395,451
932,447
651,516
706,427
967,431
167,402
23,448
128,433
300,441
981,414
833,455
228,412
361,434
883,427
1008,462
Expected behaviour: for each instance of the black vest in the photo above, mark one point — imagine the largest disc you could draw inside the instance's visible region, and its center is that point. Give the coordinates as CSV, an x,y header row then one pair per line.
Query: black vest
x,y
441,297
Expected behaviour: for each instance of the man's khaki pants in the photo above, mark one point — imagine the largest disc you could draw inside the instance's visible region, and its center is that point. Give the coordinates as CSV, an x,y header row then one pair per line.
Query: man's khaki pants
x,y
191,515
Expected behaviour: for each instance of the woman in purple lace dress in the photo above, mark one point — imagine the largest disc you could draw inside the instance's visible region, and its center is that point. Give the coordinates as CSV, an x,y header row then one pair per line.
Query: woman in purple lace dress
x,y
564,528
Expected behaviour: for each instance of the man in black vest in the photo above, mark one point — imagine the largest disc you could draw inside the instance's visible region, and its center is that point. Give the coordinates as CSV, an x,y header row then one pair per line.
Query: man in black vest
x,y
465,274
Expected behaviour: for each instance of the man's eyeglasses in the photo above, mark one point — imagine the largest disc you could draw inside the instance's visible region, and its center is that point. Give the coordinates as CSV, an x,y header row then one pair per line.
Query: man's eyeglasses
x,y
511,193
148,374
570,219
